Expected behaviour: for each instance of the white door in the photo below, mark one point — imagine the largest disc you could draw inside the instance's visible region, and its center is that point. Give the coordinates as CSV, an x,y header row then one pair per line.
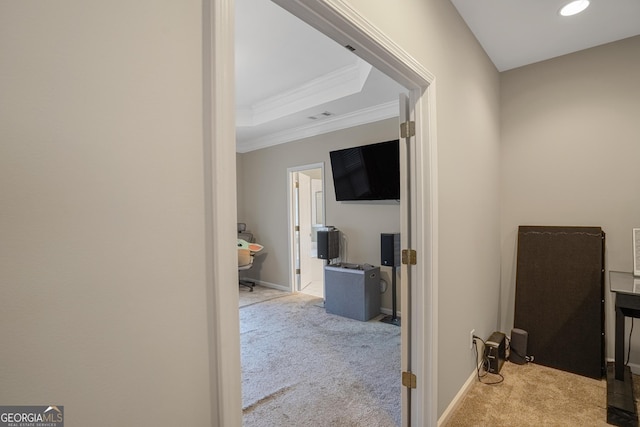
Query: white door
x,y
317,221
311,203
407,154
306,216
294,208
304,221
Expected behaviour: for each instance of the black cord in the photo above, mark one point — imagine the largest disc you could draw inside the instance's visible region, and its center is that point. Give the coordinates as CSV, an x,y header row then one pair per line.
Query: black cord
x,y
484,364
522,356
629,341
475,346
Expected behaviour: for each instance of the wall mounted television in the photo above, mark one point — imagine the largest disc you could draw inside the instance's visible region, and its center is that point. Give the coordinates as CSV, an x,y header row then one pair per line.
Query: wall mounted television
x,y
367,172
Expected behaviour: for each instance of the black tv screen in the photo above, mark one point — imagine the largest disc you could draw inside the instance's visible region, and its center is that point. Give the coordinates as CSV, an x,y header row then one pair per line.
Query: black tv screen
x,y
367,172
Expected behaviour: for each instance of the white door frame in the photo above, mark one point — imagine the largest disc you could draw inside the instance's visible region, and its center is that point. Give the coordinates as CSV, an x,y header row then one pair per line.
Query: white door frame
x,y
341,22
220,211
292,254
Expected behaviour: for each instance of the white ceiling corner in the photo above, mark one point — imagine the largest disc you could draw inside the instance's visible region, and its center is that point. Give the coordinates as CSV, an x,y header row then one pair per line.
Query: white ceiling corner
x,y
522,32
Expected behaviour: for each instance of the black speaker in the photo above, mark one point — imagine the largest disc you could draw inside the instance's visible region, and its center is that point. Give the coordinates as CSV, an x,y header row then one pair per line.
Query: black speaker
x,y
390,249
518,346
328,244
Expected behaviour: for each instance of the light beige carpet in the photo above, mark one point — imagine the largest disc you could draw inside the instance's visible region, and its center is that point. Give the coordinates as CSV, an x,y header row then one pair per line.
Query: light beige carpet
x,y
304,367
534,395
531,394
259,294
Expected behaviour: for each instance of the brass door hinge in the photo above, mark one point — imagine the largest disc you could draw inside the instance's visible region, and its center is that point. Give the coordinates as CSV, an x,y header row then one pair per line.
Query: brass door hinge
x,y
297,271
409,257
407,129
408,379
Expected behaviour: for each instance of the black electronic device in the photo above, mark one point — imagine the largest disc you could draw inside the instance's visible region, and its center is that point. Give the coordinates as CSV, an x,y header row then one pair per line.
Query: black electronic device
x,y
390,249
495,352
518,346
328,244
390,256
367,172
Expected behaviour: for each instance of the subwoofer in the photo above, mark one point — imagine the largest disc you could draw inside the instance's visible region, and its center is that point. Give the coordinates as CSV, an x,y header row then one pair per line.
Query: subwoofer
x,y
518,353
390,249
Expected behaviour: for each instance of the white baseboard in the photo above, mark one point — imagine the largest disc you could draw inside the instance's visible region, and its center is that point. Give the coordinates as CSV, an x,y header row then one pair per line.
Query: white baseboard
x,y
389,311
271,285
635,368
457,400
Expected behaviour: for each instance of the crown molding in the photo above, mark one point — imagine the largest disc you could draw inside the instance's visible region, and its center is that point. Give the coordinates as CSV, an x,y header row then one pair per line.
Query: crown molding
x,y
335,85
366,115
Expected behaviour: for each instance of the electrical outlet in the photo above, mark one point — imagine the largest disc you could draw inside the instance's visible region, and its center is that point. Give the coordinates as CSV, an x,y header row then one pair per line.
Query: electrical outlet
x,y
471,334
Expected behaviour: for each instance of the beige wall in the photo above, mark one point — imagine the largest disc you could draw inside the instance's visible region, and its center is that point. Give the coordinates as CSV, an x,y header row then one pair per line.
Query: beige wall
x,y
570,151
240,186
467,109
263,198
102,287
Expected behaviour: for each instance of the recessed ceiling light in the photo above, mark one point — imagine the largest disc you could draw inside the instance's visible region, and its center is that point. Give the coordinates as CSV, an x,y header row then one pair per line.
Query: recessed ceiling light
x,y
574,7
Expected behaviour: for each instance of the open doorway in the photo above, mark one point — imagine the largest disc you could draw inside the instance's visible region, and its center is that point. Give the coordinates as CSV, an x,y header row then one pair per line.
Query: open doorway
x,y
306,213
355,33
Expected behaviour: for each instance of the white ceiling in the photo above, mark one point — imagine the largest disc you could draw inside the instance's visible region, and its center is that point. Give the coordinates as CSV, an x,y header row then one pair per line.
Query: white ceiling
x,y
293,82
520,32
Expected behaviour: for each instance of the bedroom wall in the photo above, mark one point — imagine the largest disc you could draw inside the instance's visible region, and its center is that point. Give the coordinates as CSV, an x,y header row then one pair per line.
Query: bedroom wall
x,y
240,185
102,269
570,150
265,207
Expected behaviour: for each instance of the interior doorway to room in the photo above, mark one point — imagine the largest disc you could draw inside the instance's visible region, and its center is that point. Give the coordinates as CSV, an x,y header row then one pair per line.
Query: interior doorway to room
x,y
417,224
307,213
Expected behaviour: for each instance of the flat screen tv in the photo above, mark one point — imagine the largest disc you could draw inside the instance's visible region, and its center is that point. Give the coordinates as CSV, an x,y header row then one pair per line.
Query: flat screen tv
x,y
367,172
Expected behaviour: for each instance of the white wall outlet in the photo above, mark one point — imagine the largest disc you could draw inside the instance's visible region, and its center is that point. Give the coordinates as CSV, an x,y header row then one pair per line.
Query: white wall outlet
x,y
471,334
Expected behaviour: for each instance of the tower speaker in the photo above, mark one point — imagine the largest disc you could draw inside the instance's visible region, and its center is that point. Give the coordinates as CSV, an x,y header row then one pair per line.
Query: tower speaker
x,y
390,249
518,353
328,244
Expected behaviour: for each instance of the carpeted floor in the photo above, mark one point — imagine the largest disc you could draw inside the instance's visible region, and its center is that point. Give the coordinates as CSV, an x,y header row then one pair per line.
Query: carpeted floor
x,y
302,366
534,395
259,294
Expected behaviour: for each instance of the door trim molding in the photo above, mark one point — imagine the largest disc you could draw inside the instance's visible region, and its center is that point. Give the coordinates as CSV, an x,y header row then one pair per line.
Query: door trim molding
x,y
220,211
